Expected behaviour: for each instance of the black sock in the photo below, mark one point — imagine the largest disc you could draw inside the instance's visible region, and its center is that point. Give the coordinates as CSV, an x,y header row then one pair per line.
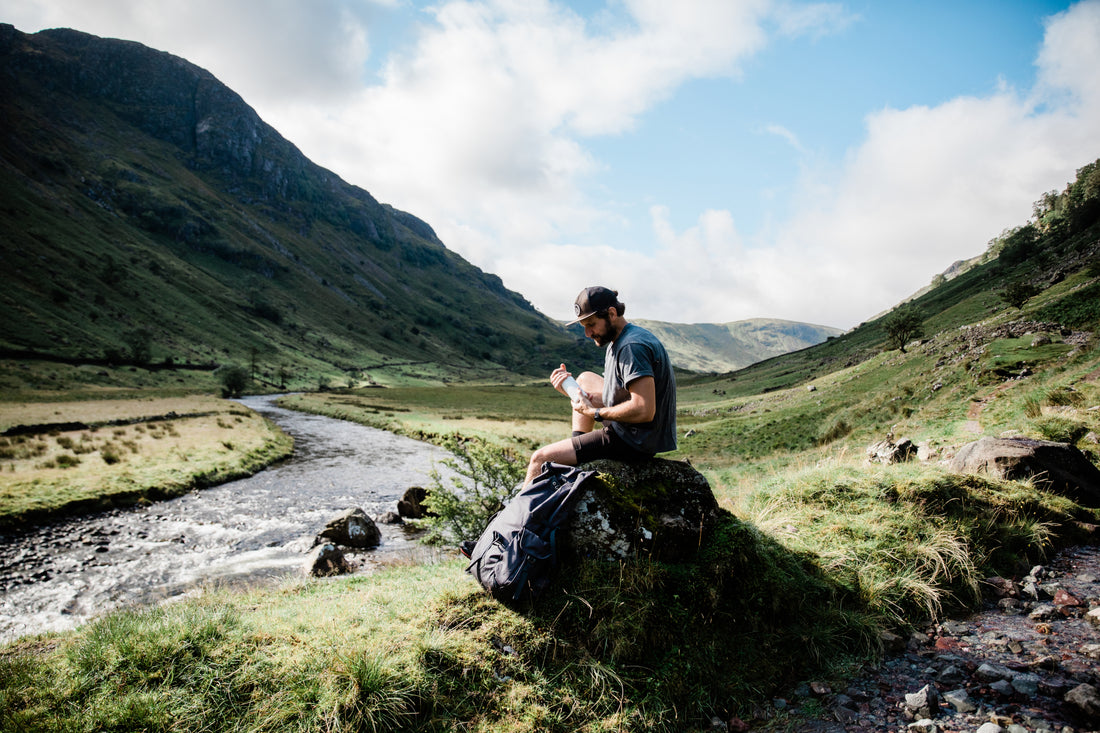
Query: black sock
x,y
577,432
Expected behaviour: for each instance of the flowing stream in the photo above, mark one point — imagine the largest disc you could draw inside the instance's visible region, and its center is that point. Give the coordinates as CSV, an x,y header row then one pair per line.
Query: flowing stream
x,y
259,529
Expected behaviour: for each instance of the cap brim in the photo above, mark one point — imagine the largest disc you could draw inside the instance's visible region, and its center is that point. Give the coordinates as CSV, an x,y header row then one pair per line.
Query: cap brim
x,y
581,318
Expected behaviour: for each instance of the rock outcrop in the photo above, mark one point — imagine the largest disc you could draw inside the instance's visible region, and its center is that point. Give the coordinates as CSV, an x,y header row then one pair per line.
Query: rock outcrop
x,y
1059,467
890,451
656,508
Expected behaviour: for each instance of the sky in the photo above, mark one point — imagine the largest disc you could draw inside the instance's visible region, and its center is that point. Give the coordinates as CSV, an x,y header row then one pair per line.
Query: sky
x,y
712,160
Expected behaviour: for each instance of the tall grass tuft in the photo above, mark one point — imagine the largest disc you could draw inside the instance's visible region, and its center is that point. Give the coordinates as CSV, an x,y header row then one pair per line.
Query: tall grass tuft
x,y
373,697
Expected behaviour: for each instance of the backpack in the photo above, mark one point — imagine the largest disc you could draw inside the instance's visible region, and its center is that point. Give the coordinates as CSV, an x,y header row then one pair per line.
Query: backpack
x,y
517,552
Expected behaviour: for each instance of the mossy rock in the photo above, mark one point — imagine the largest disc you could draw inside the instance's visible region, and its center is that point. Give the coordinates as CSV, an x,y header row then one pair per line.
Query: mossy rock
x,y
656,508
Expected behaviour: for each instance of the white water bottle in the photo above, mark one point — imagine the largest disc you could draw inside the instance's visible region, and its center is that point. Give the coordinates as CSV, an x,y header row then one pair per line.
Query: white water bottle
x,y
574,391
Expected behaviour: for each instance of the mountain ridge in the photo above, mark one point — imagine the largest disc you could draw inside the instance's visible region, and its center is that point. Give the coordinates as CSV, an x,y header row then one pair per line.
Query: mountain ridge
x,y
727,347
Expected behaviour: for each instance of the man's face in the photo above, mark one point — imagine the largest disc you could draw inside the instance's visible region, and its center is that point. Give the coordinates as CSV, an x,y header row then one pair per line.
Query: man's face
x,y
598,328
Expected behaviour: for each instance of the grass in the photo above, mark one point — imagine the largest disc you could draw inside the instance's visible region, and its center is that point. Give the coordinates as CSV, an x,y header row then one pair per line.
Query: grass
x,y
130,451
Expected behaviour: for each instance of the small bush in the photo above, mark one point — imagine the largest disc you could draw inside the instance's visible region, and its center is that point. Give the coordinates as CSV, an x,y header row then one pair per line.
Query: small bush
x,y
110,454
66,460
65,442
485,478
1033,408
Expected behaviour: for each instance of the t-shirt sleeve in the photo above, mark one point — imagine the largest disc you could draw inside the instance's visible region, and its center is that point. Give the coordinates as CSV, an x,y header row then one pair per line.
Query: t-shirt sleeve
x,y
635,361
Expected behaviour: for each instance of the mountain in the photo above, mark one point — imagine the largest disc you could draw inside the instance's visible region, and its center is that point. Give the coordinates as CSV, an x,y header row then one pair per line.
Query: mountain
x,y
727,347
149,216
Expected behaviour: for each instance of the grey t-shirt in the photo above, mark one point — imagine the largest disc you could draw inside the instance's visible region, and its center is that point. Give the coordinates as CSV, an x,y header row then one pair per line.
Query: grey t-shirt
x,y
638,353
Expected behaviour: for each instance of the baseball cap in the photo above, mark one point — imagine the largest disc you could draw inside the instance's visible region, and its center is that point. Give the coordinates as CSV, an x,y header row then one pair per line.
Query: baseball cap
x,y
592,301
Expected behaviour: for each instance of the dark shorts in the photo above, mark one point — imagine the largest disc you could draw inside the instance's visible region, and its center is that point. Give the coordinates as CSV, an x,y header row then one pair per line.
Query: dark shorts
x,y
604,443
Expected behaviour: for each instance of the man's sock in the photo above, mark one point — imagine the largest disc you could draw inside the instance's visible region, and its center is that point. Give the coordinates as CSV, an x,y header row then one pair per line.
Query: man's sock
x,y
577,432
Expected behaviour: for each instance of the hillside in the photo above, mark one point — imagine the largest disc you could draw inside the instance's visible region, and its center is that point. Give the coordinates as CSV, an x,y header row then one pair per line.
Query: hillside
x,y
149,216
727,347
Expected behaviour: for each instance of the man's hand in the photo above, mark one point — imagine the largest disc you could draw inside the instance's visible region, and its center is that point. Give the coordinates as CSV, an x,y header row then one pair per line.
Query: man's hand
x,y
558,376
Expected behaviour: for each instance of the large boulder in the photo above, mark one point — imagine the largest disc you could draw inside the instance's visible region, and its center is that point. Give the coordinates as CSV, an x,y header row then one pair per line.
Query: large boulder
x,y
353,528
1058,467
655,508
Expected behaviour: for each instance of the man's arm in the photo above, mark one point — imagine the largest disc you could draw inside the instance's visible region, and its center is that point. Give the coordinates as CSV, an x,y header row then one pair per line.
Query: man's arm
x,y
639,407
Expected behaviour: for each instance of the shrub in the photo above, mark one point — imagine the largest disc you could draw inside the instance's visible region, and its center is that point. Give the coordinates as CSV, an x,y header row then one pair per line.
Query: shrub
x,y
483,478
66,460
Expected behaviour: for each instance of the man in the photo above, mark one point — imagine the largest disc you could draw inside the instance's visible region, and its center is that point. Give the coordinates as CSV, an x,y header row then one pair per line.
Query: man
x,y
634,400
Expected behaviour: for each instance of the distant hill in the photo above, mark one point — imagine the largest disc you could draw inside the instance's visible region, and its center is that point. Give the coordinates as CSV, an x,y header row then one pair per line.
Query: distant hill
x,y
726,347
149,216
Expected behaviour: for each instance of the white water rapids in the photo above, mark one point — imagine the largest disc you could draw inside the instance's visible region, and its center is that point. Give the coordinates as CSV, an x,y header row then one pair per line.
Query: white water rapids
x,y
259,529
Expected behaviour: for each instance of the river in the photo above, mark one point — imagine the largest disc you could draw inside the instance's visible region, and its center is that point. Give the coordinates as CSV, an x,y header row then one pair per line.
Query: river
x,y
255,530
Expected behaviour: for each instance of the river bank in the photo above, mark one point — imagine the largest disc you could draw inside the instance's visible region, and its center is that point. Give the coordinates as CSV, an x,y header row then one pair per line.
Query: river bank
x,y
66,459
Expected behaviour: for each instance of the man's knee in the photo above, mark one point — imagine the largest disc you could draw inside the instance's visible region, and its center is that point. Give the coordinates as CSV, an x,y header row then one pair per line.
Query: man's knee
x,y
590,382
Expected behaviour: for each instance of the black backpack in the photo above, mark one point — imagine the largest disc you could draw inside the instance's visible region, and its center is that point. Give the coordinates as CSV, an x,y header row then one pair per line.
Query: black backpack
x,y
517,552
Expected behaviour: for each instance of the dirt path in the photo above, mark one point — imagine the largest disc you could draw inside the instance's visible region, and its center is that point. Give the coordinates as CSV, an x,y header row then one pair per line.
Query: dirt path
x,y
974,413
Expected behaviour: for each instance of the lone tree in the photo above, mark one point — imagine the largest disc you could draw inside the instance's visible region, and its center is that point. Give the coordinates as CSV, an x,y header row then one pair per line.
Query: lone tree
x,y
1019,293
903,325
235,380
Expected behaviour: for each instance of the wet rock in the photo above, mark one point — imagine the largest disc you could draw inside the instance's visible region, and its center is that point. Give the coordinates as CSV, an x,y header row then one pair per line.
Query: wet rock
x,y
353,528
411,505
655,508
1026,684
326,560
990,728
390,518
924,725
1044,612
992,673
1086,700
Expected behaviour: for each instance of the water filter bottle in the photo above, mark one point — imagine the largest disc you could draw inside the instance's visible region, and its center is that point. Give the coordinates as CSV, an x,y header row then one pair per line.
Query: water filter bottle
x,y
574,391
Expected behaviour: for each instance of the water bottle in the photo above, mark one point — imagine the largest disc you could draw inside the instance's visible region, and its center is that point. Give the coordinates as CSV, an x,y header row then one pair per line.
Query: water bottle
x,y
574,391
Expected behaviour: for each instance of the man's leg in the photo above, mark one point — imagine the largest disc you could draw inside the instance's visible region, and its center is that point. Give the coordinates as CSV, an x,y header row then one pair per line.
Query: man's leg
x,y
561,452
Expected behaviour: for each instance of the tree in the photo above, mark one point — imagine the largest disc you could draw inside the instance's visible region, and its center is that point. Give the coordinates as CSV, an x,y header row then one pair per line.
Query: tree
x,y
140,341
1018,293
235,380
903,325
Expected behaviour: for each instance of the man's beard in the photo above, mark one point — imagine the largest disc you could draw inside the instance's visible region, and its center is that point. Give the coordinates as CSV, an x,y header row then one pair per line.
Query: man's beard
x,y
607,337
